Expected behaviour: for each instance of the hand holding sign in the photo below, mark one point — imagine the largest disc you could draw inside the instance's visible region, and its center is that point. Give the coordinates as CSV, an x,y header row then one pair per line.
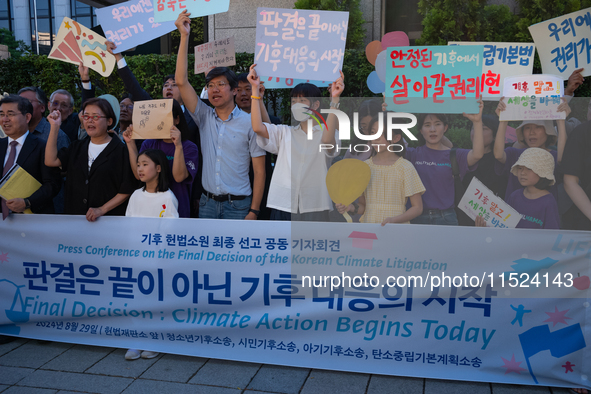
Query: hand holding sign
x,y
78,44
152,119
183,23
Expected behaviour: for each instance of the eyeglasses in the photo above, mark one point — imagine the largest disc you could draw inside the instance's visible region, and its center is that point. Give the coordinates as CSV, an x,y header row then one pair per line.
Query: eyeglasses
x,y
93,117
8,114
58,104
219,85
129,107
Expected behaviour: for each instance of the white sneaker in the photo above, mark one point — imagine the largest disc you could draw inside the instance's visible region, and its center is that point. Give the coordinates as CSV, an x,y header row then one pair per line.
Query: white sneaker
x,y
148,354
132,354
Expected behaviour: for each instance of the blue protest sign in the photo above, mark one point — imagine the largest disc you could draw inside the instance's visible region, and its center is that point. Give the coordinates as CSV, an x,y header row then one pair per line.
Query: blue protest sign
x,y
434,79
300,43
131,23
169,10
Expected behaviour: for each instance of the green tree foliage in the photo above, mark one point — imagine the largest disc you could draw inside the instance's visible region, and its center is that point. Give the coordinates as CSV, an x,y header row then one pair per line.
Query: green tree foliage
x,y
16,48
195,38
355,32
460,20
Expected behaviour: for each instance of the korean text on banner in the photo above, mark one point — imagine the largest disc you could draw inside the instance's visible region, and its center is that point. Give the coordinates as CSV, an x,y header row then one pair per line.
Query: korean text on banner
x,y
169,10
78,44
131,23
152,119
230,289
289,83
479,200
532,97
300,43
216,53
433,79
564,43
501,60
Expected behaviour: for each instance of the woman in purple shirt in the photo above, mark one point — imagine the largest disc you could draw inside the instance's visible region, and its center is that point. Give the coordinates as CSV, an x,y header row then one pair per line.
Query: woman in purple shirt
x,y
433,164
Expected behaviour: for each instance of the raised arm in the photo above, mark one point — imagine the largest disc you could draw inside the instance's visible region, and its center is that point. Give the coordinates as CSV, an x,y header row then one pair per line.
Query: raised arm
x,y
499,148
257,110
129,80
561,124
478,141
55,121
336,89
179,167
132,149
188,94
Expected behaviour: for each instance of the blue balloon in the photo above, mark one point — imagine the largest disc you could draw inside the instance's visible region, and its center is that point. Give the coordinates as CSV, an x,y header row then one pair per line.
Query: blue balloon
x,y
375,84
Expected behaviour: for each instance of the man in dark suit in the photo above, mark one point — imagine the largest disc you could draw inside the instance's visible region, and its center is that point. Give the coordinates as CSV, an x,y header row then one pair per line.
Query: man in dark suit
x,y
28,151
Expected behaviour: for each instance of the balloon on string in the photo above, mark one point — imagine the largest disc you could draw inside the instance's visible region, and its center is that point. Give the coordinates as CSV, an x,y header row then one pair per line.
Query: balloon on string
x,y
381,65
375,84
371,51
395,39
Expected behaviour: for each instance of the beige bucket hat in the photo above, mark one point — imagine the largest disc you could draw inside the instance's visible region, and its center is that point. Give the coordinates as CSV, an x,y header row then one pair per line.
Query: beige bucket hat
x,y
548,125
539,161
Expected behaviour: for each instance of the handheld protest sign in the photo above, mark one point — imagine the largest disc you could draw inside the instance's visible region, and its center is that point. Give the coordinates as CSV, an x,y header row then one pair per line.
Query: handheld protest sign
x,y
152,119
131,23
218,53
533,97
197,8
563,43
346,180
78,44
479,200
501,60
300,44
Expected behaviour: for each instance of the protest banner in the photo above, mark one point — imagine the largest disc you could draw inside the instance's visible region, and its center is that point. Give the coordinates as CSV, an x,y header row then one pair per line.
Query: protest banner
x,y
434,79
289,83
479,200
216,53
169,10
564,43
131,23
300,43
250,291
532,97
501,60
152,119
77,44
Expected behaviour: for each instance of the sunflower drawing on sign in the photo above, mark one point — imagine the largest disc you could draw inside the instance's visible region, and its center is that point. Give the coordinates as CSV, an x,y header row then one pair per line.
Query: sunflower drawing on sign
x,y
78,44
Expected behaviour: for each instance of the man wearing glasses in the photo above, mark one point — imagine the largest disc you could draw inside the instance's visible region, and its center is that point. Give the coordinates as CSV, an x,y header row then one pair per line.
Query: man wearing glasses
x,y
63,101
28,151
39,126
228,144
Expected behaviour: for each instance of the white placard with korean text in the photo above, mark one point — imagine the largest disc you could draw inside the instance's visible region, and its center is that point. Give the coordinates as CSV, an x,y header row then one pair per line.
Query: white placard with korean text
x,y
218,53
479,200
300,44
564,43
532,97
501,60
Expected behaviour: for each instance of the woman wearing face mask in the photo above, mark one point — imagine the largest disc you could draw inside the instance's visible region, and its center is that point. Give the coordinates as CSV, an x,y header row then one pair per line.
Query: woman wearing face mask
x,y
298,187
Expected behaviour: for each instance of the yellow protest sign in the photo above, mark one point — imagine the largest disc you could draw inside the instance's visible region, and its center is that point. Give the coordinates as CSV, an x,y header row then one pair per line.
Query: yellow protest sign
x,y
346,180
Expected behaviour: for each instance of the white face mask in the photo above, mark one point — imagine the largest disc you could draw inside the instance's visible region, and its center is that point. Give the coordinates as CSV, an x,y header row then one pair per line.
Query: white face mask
x,y
300,112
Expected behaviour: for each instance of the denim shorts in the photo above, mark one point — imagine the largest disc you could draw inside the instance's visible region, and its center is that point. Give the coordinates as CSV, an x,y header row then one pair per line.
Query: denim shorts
x,y
445,217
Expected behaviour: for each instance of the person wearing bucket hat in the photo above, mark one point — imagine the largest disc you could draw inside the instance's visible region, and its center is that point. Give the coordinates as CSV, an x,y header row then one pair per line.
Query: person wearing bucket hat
x,y
533,134
535,172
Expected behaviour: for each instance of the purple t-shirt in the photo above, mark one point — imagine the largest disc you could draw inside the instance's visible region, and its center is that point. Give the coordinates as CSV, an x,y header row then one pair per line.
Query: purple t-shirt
x,y
513,183
182,191
539,213
434,168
